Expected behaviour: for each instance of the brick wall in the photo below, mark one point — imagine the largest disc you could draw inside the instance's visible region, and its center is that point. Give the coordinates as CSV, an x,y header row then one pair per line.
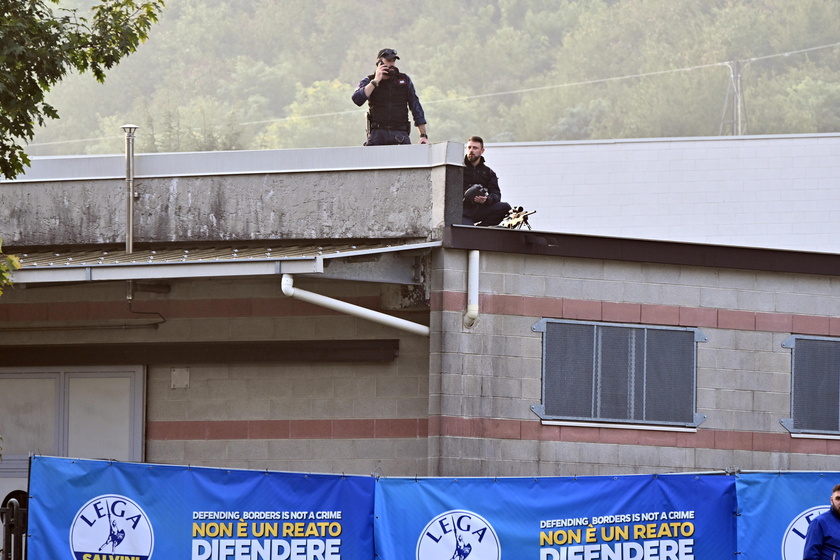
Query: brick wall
x,y
351,417
488,376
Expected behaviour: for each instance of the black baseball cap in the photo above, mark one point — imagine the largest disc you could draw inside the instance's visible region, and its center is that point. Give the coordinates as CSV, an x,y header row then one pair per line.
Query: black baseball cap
x,y
388,54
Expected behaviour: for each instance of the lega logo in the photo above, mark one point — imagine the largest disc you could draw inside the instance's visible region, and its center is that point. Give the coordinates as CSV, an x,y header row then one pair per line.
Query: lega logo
x,y
793,541
458,535
111,527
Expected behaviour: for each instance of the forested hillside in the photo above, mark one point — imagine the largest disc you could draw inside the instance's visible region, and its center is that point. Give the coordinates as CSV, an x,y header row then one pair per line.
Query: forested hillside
x,y
255,74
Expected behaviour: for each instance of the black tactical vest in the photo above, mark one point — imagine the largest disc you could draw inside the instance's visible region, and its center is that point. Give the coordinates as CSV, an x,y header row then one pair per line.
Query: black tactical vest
x,y
388,104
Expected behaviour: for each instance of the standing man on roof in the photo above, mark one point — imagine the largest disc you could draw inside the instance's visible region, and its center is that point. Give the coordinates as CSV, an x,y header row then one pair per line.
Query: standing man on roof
x,y
390,95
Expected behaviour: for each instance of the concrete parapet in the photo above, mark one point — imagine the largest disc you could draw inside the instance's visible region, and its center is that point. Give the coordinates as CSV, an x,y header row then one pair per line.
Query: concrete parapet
x,y
338,193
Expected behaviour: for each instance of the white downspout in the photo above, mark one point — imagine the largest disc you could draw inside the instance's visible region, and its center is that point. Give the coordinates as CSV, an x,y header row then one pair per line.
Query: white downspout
x,y
287,285
472,290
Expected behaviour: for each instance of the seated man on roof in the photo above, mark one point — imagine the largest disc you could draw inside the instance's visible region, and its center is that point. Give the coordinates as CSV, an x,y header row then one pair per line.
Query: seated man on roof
x,y
482,196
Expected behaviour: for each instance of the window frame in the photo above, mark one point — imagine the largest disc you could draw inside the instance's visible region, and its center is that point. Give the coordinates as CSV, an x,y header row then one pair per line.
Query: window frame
x,y
540,409
17,465
788,423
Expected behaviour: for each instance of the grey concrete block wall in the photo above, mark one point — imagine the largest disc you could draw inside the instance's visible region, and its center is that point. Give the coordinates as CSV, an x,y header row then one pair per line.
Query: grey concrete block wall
x,y
485,377
238,415
743,373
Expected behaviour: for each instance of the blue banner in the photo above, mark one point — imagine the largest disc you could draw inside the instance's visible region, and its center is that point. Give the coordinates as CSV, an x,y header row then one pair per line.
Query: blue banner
x,y
653,517
775,510
101,510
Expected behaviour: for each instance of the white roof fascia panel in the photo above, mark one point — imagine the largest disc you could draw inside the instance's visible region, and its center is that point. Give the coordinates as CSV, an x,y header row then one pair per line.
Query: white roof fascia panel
x,y
145,271
244,162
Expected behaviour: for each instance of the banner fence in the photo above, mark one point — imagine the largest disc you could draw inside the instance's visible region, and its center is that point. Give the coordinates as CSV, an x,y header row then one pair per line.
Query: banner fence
x,y
104,510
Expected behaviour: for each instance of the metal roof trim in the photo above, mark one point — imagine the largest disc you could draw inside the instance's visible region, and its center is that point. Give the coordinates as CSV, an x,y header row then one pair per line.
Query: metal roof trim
x,y
84,266
244,162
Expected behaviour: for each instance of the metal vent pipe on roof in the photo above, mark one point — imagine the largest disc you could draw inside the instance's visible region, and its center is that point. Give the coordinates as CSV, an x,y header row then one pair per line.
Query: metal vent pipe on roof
x,y
129,205
287,285
129,130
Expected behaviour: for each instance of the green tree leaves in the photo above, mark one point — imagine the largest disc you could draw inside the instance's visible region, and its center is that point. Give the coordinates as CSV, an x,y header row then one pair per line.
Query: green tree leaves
x,y
8,264
37,49
312,119
269,74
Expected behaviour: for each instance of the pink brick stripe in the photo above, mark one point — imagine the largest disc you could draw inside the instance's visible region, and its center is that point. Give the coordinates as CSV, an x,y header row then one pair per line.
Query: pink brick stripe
x,y
486,428
555,308
591,310
288,429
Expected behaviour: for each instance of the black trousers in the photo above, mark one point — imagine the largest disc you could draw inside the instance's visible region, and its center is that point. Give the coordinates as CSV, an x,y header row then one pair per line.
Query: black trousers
x,y
385,137
486,215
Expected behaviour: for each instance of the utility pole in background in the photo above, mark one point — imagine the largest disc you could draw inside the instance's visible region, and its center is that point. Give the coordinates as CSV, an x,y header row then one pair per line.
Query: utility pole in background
x,y
734,105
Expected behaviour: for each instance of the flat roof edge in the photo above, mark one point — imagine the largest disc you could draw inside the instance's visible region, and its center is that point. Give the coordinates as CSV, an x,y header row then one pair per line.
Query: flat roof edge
x,y
243,162
667,140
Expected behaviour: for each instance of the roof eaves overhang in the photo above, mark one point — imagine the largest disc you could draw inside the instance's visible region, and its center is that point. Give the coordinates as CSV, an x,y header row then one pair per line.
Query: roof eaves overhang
x,y
639,250
204,263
